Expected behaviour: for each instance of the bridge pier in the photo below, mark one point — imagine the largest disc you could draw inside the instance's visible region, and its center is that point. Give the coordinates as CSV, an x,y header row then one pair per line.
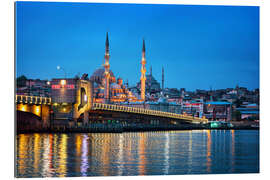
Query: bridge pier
x,y
33,111
85,117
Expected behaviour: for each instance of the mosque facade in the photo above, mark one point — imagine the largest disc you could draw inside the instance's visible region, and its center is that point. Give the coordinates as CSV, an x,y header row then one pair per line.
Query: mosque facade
x,y
108,89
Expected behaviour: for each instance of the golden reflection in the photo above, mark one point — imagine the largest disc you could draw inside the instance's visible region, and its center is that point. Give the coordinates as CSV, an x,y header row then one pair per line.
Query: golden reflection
x,y
51,151
22,141
36,152
78,141
62,156
142,153
209,142
129,149
105,151
120,154
233,148
233,143
78,144
55,147
46,169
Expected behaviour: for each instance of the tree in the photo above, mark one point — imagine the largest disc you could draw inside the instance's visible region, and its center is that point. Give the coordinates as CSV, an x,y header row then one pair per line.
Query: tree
x,y
238,102
236,115
21,81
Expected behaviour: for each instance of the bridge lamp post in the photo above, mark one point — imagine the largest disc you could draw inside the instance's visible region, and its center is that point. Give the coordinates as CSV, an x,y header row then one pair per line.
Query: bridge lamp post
x,y
58,68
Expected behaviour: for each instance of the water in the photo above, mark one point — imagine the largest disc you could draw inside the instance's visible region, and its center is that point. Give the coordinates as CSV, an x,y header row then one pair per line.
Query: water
x,y
143,153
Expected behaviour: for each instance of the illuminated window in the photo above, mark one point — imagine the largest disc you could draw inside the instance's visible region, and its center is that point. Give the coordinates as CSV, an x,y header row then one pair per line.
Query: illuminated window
x,y
23,108
37,109
63,82
85,98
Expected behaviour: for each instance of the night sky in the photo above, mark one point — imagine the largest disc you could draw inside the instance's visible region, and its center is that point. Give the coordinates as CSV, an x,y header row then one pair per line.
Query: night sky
x,y
199,46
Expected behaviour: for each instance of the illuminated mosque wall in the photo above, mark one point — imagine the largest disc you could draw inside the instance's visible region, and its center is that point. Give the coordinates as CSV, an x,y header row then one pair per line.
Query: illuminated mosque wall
x,y
104,78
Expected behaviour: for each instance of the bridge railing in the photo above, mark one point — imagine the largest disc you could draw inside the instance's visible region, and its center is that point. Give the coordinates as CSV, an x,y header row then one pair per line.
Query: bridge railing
x,y
113,107
33,99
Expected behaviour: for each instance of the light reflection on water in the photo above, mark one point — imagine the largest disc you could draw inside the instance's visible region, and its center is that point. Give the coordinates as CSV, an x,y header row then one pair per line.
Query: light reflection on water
x,y
142,153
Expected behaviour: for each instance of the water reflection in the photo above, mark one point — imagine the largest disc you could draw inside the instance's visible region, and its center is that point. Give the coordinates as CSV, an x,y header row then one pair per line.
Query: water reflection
x,y
208,157
147,153
22,142
120,155
62,152
167,153
84,156
233,149
36,151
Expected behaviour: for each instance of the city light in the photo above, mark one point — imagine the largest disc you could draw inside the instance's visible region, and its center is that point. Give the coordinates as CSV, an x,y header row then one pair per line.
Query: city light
x,y
37,109
23,108
85,98
63,82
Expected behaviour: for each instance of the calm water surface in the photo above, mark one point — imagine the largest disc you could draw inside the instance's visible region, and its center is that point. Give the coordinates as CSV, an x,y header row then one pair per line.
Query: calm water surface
x,y
143,153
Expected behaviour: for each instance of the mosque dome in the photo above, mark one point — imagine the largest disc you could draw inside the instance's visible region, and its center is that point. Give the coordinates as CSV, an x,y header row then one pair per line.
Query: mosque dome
x,y
98,76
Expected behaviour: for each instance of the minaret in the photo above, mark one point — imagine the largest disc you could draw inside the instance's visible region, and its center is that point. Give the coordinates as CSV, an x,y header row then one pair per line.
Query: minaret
x,y
143,71
162,78
107,71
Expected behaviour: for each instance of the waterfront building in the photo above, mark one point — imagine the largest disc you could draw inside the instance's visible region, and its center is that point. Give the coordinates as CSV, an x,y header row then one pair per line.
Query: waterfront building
x,y
71,99
161,104
249,112
218,110
63,99
34,87
192,107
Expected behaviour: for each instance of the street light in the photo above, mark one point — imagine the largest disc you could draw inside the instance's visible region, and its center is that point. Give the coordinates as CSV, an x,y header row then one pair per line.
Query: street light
x,y
58,68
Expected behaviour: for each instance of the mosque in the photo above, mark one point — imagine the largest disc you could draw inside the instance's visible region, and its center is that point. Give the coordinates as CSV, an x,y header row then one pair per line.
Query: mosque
x,y
106,88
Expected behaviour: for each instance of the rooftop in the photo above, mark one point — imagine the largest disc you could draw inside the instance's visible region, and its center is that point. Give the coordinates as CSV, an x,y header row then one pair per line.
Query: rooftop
x,y
218,103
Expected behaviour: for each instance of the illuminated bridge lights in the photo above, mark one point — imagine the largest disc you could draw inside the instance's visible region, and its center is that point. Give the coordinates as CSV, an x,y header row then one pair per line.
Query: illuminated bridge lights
x,y
32,99
148,112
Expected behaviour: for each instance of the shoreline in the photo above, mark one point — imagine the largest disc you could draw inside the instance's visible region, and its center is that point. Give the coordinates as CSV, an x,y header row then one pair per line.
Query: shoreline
x,y
122,130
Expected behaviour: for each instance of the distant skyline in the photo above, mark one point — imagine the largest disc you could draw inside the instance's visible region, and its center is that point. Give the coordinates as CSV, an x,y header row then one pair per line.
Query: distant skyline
x,y
198,46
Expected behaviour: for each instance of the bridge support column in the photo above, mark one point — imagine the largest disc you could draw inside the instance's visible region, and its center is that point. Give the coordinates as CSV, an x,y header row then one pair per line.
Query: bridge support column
x,y
45,115
85,117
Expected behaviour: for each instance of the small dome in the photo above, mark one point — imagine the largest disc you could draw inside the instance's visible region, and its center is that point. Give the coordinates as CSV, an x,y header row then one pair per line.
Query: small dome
x,y
98,76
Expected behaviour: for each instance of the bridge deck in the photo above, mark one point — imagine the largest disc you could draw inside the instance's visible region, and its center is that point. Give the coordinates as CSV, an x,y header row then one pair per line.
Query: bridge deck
x,y
118,108
33,99
112,107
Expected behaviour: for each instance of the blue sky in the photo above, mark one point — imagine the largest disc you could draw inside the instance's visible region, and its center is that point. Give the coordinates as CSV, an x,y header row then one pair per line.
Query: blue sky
x,y
199,46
